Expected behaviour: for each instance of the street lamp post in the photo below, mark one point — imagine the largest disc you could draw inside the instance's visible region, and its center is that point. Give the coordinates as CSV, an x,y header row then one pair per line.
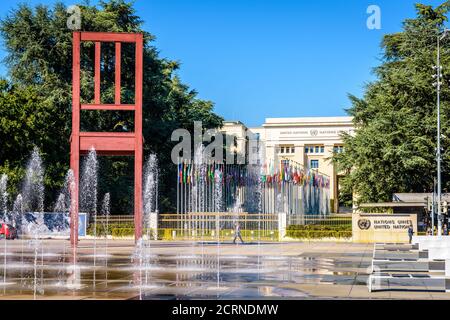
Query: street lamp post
x,y
433,206
438,84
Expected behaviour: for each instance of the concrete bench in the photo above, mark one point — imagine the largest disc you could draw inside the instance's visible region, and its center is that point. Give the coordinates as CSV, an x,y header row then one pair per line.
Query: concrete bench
x,y
439,253
396,247
434,264
392,254
426,242
390,276
405,250
429,266
436,257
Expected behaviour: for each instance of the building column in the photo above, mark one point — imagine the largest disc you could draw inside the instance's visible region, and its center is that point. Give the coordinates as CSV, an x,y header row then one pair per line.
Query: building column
x,y
331,172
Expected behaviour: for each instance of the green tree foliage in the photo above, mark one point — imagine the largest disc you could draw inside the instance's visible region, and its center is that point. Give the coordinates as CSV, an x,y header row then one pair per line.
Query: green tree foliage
x,y
35,102
394,146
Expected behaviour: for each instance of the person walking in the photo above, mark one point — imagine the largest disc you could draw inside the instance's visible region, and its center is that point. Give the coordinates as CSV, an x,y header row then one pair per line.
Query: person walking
x,y
410,233
237,232
445,231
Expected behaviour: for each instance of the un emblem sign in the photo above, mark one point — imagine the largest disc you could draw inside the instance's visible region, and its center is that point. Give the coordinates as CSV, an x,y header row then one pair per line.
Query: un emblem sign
x,y
364,224
314,133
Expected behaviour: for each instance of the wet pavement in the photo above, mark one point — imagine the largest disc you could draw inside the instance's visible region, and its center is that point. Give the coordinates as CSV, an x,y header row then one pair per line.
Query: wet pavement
x,y
50,269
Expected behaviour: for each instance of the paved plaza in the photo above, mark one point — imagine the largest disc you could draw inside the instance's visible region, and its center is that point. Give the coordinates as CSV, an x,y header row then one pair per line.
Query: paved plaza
x,y
184,270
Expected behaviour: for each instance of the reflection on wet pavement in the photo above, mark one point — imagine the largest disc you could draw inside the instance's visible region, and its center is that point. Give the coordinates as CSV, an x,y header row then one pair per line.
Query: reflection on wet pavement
x,y
178,271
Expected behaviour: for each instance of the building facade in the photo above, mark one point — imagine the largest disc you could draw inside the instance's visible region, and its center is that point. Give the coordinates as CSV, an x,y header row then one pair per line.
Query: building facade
x,y
309,142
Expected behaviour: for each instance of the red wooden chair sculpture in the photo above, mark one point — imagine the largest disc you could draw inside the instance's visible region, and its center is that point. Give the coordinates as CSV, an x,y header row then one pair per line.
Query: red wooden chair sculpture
x,y
107,143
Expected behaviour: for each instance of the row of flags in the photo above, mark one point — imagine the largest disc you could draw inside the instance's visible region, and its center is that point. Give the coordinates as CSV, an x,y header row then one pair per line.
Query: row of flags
x,y
288,172
238,175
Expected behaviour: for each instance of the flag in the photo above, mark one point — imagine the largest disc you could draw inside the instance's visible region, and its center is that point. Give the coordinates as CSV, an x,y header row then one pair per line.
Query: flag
x,y
188,178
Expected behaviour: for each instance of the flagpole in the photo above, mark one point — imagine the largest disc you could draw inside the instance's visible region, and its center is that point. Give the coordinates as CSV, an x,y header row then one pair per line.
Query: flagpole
x,y
178,186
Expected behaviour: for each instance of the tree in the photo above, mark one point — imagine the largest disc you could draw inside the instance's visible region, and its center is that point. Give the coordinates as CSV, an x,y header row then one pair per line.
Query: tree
x,y
393,148
39,61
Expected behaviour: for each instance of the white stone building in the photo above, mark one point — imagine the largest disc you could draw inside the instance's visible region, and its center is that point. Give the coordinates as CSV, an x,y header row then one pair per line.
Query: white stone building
x,y
309,142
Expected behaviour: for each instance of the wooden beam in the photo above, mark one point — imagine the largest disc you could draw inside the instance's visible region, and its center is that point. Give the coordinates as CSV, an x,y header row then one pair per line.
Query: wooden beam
x,y
138,156
117,73
74,139
120,107
109,153
108,134
97,73
108,36
108,142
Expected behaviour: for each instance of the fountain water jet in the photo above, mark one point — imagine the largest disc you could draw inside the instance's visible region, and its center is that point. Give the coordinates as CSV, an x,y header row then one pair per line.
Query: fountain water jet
x,y
88,194
17,214
218,208
62,207
105,211
138,260
33,202
4,195
33,187
89,183
151,197
141,255
64,202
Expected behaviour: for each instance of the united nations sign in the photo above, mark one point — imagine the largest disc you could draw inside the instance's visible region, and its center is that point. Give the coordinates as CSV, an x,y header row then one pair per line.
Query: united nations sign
x,y
392,228
364,224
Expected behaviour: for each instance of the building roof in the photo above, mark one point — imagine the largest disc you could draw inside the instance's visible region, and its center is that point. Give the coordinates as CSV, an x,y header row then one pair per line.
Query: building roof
x,y
392,205
405,200
309,121
417,197
233,122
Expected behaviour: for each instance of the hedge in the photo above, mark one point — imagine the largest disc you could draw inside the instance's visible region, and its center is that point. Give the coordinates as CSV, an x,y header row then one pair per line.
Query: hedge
x,y
122,232
319,231
314,227
167,234
112,228
293,231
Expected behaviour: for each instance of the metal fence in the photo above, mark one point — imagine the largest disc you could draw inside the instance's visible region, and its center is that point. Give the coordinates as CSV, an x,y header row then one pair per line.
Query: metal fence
x,y
332,220
320,220
254,227
115,219
319,227
218,226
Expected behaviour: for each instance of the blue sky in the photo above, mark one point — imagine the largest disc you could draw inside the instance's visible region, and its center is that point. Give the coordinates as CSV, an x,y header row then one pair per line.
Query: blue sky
x,y
257,59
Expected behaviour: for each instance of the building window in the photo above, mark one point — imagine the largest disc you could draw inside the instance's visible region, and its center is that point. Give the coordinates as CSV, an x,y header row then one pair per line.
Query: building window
x,y
287,150
314,164
315,149
338,149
